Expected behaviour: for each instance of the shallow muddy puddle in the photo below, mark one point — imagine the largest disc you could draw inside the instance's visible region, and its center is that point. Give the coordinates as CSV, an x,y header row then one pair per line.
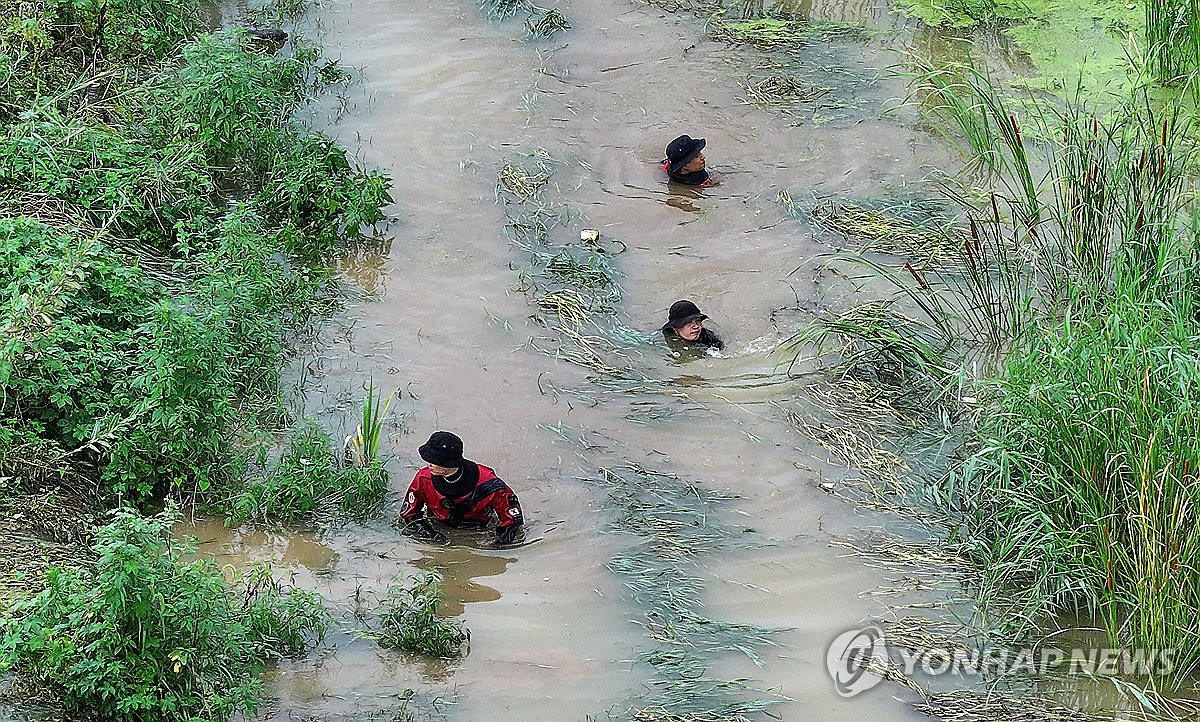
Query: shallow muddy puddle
x,y
446,99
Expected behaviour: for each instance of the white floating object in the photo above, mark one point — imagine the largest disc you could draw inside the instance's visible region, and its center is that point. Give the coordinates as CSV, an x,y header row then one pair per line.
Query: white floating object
x,y
589,235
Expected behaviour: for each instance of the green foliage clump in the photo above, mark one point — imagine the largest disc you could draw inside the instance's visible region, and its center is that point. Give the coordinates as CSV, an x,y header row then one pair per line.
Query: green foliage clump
x,y
410,621
309,480
145,634
1088,484
1072,309
157,246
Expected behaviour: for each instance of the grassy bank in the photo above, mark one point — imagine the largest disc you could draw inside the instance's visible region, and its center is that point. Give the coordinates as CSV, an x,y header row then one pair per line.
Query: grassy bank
x,y
165,222
1060,347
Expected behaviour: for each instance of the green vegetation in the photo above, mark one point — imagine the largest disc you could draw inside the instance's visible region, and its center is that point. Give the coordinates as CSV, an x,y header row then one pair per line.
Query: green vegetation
x,y
308,480
364,445
144,634
410,621
163,222
674,524
1173,39
1063,342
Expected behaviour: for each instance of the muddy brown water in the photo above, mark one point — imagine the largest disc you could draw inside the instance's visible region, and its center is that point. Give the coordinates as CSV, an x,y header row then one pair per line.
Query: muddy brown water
x,y
446,96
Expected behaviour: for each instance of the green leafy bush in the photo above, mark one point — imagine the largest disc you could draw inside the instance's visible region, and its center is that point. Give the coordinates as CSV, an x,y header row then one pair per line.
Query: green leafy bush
x,y
182,228
309,480
147,635
410,621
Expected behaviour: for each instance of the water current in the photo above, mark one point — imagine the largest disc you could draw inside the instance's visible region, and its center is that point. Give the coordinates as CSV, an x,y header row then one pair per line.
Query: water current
x,y
446,97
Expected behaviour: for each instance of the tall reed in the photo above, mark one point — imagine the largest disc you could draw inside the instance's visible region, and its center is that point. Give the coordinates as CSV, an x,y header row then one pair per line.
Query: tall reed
x,y
1082,483
1172,39
1080,277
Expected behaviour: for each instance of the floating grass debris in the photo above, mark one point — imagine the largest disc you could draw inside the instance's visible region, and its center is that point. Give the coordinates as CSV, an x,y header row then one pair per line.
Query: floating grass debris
x,y
779,34
888,233
675,524
972,706
547,23
505,9
763,33
781,92
573,285
523,182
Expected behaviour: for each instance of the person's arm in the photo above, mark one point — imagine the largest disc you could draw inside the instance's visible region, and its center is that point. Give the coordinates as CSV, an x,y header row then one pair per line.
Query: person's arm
x,y
412,518
414,500
508,510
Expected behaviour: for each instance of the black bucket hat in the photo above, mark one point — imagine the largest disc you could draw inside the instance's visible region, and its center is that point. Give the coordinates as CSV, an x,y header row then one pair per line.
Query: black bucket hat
x,y
442,449
681,314
682,150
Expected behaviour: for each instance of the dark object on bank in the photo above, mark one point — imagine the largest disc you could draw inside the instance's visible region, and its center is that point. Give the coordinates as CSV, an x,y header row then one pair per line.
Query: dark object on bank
x,y
268,39
685,324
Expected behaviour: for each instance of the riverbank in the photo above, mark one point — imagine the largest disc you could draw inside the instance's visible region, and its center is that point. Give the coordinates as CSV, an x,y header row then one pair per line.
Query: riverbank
x,y
166,224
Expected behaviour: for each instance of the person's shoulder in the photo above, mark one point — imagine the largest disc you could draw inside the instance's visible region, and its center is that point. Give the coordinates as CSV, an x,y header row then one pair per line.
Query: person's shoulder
x,y
486,472
708,338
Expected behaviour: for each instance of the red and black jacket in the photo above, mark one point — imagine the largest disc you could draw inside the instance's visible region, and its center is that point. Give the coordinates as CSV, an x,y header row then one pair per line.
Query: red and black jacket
x,y
468,502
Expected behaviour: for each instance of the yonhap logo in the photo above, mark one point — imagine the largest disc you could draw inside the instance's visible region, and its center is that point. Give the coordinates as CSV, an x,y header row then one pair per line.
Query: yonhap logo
x,y
857,660
848,660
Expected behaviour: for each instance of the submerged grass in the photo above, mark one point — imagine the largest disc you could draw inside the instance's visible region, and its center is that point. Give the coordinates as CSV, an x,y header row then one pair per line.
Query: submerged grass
x,y
675,523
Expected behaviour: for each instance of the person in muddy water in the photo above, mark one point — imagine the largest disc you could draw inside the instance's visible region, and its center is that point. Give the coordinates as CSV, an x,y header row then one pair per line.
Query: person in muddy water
x,y
459,493
685,162
685,327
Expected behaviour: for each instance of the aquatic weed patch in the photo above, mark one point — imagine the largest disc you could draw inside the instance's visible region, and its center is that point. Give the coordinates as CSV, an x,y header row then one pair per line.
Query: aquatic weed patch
x,y
677,525
573,285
